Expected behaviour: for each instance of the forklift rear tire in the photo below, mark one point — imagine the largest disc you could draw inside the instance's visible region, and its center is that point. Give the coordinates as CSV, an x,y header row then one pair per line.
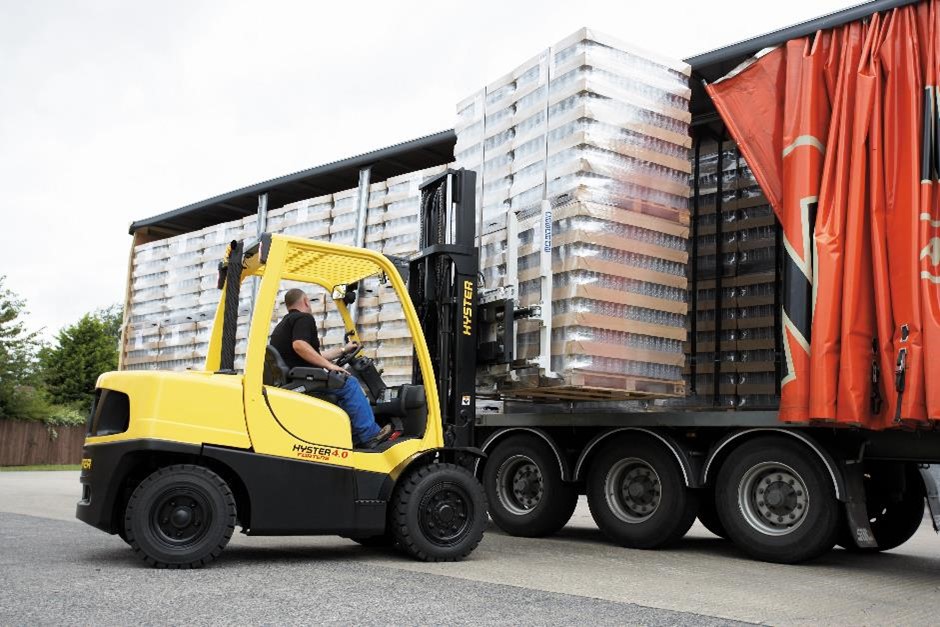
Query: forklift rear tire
x,y
180,516
438,513
638,496
524,490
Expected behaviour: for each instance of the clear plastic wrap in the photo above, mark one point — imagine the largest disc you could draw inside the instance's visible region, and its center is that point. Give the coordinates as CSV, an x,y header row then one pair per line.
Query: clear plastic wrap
x,y
601,131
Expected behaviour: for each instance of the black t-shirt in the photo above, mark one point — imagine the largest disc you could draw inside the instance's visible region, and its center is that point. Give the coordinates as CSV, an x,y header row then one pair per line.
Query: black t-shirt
x,y
296,325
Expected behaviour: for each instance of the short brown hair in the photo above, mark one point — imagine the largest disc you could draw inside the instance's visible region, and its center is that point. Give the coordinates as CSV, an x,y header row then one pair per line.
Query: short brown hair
x,y
293,296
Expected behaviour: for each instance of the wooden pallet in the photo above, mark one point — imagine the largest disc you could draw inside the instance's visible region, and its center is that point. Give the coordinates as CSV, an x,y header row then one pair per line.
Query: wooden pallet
x,y
592,386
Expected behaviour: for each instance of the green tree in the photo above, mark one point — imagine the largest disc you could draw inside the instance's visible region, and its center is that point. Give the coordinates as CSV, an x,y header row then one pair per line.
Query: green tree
x,y
17,351
81,352
113,318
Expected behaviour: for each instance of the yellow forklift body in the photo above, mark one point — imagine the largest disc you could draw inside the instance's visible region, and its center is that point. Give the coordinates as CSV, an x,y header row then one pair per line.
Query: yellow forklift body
x,y
238,411
193,407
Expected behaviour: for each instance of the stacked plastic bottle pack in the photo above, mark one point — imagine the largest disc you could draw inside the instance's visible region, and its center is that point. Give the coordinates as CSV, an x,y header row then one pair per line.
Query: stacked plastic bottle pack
x,y
599,131
174,291
732,359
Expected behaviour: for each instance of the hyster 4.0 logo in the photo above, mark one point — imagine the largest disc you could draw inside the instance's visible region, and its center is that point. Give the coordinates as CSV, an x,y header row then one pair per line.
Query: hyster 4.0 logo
x,y
467,307
319,453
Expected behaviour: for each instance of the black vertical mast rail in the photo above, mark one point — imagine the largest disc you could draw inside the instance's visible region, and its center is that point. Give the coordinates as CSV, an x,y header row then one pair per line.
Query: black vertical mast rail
x,y
230,277
442,284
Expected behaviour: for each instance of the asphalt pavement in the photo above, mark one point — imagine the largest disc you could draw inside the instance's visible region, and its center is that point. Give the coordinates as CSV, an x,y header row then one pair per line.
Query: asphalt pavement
x,y
56,570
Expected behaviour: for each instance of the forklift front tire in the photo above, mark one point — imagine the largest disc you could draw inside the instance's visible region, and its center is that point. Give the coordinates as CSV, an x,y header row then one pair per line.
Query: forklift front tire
x,y
180,516
438,513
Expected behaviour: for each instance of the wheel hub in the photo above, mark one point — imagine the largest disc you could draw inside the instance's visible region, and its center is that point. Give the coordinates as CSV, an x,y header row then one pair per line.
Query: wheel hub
x,y
773,498
445,514
179,516
633,490
520,485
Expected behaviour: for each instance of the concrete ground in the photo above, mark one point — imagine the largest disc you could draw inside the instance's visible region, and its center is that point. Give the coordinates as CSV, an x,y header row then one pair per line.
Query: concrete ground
x,y
55,570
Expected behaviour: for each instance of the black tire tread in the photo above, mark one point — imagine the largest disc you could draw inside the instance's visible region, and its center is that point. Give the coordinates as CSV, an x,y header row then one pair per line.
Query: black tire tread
x,y
645,449
807,546
398,514
561,498
138,493
708,514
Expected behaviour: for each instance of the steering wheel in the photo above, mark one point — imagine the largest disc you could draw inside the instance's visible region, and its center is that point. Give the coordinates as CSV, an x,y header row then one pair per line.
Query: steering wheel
x,y
344,359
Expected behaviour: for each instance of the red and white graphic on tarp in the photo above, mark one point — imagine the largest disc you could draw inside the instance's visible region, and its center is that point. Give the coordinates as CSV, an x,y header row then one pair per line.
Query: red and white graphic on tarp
x,y
842,132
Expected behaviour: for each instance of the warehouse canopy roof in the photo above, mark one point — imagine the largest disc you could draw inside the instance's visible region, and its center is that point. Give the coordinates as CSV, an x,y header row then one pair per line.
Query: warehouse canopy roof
x,y
417,154
438,149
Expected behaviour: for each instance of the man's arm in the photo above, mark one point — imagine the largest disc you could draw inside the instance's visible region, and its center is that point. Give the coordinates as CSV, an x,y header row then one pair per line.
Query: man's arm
x,y
311,356
332,353
338,351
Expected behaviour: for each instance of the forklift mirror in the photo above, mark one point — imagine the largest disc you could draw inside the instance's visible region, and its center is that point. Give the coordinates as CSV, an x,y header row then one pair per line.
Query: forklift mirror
x,y
346,293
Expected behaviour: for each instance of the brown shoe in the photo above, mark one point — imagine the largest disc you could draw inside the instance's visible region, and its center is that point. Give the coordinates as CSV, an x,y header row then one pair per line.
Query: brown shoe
x,y
381,437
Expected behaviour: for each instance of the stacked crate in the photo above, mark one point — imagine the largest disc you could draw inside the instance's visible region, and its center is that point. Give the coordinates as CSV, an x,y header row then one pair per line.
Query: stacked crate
x,y
732,353
173,297
600,130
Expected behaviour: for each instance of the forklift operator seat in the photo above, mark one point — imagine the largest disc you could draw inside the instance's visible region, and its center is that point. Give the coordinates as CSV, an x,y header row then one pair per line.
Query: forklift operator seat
x,y
410,405
309,380
275,370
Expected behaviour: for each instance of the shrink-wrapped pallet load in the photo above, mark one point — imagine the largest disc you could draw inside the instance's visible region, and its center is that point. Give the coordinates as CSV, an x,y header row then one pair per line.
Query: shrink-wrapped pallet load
x,y
584,151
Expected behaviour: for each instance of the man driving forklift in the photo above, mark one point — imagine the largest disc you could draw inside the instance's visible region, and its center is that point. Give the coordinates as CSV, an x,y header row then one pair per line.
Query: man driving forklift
x,y
295,338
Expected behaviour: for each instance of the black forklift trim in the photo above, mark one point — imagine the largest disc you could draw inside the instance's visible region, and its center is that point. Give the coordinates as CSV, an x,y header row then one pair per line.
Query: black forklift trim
x,y
104,468
230,278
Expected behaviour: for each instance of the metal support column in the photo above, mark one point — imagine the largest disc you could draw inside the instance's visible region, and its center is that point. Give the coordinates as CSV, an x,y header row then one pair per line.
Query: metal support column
x,y
262,229
362,209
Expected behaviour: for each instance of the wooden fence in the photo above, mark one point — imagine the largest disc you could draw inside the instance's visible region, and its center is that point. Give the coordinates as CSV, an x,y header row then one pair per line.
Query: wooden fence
x,y
28,443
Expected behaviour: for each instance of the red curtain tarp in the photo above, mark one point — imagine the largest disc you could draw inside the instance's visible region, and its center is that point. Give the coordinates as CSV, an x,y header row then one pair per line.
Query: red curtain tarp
x,y
842,131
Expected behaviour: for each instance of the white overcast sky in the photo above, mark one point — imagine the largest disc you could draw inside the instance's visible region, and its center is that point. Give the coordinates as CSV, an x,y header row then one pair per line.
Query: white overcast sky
x,y
113,111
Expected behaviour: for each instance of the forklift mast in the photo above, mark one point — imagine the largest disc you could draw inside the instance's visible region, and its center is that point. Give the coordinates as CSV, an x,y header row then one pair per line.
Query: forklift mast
x,y
442,283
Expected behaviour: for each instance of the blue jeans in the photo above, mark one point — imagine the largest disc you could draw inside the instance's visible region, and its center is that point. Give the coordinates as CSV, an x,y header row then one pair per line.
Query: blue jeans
x,y
354,402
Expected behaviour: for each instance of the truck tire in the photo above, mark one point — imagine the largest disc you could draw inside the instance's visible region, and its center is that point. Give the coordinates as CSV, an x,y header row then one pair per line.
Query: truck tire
x,y
776,501
524,489
637,495
895,512
708,514
438,513
180,516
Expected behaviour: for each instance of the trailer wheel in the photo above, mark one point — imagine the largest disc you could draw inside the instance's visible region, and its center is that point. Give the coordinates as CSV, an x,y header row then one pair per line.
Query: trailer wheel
x,y
895,509
637,495
180,516
438,513
708,514
524,489
776,501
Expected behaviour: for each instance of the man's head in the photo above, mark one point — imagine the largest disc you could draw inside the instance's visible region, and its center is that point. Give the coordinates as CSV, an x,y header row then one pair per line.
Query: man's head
x,y
296,300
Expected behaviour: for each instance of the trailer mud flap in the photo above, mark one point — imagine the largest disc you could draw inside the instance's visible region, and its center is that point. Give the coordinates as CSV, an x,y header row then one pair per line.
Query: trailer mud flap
x,y
856,508
931,477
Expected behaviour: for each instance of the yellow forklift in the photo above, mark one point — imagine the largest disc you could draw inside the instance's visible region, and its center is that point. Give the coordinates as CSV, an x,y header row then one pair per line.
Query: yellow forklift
x,y
174,461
